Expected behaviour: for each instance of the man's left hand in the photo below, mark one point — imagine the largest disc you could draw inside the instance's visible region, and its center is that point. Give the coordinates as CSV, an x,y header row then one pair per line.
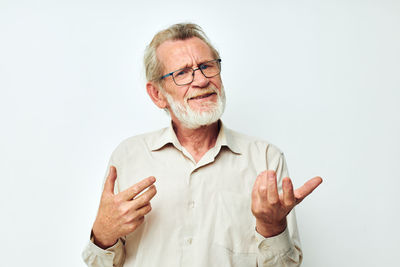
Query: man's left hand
x,y
271,208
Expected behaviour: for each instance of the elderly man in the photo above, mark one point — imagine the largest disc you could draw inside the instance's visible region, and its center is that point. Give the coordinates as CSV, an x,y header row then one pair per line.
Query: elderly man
x,y
222,198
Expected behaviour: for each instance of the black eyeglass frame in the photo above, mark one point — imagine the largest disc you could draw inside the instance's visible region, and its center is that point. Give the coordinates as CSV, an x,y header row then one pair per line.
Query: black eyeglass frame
x,y
218,60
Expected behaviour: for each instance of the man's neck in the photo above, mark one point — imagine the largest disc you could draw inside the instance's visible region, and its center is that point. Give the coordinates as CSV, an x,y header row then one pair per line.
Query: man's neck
x,y
197,141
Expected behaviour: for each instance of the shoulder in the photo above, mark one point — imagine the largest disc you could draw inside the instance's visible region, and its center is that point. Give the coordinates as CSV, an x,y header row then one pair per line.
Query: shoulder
x,y
138,143
245,142
262,153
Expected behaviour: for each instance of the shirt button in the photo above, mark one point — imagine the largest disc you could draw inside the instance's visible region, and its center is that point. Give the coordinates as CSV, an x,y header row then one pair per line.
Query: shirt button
x,y
189,241
191,204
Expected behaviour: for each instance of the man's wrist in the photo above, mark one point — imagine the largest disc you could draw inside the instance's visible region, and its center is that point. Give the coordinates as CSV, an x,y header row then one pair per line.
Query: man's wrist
x,y
270,230
102,243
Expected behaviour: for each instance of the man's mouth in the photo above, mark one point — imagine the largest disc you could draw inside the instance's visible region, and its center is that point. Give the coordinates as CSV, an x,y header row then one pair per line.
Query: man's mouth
x,y
202,96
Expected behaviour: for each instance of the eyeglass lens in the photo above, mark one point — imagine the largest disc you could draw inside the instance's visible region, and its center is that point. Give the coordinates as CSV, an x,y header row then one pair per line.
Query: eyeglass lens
x,y
185,76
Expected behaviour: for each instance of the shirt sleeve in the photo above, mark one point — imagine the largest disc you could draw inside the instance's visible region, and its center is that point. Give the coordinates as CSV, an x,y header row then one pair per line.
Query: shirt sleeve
x,y
114,256
283,249
95,256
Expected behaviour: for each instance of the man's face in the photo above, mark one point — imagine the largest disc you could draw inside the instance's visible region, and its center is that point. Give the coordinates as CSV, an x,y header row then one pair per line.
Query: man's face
x,y
203,99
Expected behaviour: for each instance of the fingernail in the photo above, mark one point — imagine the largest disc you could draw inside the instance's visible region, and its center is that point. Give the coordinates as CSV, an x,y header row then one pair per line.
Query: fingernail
x,y
270,175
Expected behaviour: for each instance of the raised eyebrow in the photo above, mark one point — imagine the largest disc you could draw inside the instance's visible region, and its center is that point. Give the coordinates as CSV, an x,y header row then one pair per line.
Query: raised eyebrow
x,y
187,65
184,67
205,61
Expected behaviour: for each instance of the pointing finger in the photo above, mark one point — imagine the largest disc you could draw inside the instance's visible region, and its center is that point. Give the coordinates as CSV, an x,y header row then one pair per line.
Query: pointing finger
x,y
260,187
110,181
307,188
144,199
134,190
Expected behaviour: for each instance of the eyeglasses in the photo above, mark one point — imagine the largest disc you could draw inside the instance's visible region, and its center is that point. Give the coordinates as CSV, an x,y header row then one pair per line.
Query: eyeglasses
x,y
186,75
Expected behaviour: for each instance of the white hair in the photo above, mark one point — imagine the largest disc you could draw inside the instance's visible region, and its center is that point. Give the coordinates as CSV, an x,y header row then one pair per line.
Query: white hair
x,y
180,31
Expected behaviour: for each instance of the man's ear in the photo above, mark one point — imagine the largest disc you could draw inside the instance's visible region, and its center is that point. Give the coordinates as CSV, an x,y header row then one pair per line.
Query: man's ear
x,y
155,94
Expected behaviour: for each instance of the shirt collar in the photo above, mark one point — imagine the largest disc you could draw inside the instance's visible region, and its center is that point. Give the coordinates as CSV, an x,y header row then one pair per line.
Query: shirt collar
x,y
168,136
225,138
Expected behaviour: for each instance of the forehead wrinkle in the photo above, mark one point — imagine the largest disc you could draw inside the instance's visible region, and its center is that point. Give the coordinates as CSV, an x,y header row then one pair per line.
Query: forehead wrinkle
x,y
179,54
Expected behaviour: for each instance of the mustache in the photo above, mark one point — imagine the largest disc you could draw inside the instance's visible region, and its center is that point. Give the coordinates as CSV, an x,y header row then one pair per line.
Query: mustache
x,y
201,92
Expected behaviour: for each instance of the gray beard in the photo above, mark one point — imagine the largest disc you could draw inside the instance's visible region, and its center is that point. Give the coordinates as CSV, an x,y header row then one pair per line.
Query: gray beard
x,y
193,119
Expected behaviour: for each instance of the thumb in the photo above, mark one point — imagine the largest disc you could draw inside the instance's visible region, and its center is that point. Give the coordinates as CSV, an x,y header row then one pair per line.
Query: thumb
x,y
110,181
307,188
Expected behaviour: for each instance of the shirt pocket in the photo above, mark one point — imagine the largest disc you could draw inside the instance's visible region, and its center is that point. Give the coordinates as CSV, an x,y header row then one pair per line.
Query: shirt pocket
x,y
235,224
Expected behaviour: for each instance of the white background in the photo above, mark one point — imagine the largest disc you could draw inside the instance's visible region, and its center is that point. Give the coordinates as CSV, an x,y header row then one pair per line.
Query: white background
x,y
319,79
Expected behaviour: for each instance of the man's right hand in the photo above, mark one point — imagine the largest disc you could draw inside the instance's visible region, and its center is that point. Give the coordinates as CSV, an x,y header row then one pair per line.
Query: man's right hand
x,y
121,214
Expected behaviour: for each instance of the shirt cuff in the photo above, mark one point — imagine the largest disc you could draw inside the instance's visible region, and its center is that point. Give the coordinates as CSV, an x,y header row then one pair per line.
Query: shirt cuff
x,y
278,244
97,257
104,252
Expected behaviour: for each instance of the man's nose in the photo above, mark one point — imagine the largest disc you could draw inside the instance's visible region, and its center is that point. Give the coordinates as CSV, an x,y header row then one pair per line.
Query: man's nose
x,y
199,79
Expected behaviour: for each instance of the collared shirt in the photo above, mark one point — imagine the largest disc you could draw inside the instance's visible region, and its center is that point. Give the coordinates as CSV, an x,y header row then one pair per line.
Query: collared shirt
x,y
201,214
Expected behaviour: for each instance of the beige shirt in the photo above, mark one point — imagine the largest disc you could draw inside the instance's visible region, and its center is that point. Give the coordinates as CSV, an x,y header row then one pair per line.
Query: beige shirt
x,y
201,214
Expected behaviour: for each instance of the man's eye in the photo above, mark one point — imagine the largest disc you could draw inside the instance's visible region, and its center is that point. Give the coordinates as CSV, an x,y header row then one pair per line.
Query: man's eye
x,y
204,66
182,72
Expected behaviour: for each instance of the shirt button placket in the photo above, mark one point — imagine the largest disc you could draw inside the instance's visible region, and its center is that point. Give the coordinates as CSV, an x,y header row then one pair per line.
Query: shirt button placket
x,y
191,204
187,256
